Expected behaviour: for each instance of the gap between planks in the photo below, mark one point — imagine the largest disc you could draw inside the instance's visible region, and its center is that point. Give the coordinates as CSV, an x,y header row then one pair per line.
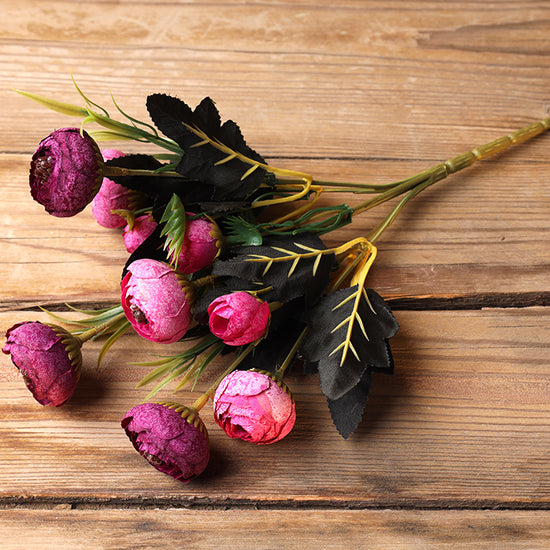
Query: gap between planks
x,y
452,302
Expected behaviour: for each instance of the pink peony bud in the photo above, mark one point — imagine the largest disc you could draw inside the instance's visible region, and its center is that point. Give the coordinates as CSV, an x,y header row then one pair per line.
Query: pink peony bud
x,y
49,359
200,245
238,318
143,226
172,438
112,196
66,172
156,300
253,406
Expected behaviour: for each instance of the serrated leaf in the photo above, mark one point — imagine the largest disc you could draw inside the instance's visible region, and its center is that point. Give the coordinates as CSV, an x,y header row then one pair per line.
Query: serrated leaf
x,y
347,411
240,231
173,228
214,154
334,327
290,278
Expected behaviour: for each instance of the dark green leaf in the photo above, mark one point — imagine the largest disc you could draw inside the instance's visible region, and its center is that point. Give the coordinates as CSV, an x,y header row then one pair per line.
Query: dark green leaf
x,y
240,231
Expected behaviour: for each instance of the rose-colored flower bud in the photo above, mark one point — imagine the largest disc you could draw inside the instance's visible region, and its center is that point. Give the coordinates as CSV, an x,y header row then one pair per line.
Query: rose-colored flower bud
x,y
172,438
112,196
66,172
156,300
200,244
238,318
142,227
254,406
49,359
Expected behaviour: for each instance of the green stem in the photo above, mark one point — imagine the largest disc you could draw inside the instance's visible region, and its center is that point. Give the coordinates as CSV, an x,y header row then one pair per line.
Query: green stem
x,y
280,372
413,185
113,171
99,329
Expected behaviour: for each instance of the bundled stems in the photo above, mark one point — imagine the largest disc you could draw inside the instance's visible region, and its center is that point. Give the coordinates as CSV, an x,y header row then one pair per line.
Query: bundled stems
x,y
413,185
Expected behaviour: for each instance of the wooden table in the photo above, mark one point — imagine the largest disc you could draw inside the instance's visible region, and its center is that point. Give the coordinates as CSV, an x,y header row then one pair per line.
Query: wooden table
x,y
454,449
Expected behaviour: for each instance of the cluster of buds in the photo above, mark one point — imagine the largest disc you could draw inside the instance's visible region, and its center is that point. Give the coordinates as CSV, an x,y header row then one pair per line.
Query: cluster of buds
x,y
157,298
210,261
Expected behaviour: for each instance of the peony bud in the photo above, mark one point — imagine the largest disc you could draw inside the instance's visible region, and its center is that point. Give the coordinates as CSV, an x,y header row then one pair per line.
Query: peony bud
x,y
142,227
66,172
238,318
49,359
112,196
200,245
254,406
172,438
156,300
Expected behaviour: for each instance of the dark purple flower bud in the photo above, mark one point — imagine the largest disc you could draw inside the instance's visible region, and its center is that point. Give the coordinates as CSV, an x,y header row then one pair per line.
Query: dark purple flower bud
x,y
156,300
66,172
142,227
254,406
171,437
112,196
238,318
49,359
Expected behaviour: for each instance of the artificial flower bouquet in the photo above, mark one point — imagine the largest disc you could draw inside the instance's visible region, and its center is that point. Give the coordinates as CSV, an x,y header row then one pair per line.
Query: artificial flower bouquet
x,y
225,253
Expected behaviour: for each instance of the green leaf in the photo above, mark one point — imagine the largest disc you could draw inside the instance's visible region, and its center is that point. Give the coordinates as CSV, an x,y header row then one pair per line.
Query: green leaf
x,y
120,328
240,231
57,106
173,229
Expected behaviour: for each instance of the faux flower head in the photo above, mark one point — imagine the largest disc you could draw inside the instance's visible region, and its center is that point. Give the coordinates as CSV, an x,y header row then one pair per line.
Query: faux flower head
x,y
66,172
254,406
156,300
238,318
200,244
172,438
112,196
141,228
48,357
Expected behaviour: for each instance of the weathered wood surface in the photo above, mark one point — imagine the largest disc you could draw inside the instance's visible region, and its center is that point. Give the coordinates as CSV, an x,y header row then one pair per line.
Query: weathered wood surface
x,y
463,422
363,91
281,529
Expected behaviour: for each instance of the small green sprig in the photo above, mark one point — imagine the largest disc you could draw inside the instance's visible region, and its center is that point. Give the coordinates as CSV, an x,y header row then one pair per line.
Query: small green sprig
x,y
109,321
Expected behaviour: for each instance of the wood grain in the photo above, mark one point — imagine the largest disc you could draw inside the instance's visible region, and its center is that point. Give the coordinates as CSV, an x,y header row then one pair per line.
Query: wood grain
x,y
460,238
281,529
464,421
365,91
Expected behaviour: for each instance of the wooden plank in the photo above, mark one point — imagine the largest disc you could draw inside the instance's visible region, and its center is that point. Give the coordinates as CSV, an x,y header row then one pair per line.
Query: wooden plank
x,y
398,80
268,529
420,84
456,239
463,422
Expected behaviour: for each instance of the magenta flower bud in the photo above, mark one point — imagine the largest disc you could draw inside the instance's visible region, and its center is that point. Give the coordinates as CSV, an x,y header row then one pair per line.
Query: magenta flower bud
x,y
142,227
172,438
254,406
238,318
200,244
66,172
48,357
157,301
112,196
